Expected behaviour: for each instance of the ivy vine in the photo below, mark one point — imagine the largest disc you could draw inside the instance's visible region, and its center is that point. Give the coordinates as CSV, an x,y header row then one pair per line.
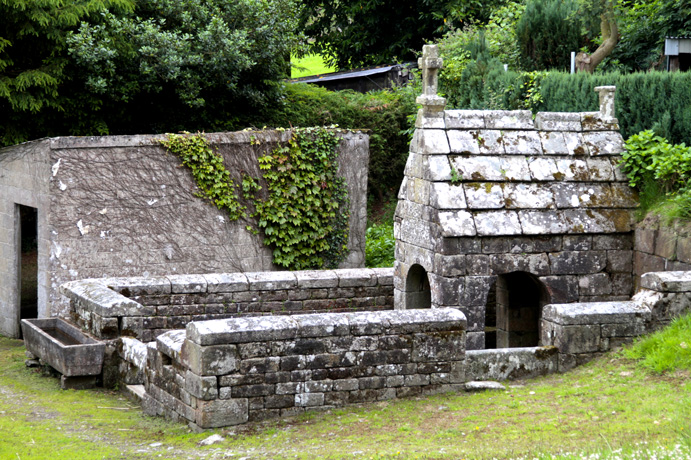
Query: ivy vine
x,y
305,215
208,170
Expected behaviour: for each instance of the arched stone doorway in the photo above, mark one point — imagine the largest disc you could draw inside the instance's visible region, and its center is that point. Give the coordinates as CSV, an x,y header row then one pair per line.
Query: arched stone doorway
x,y
512,317
417,290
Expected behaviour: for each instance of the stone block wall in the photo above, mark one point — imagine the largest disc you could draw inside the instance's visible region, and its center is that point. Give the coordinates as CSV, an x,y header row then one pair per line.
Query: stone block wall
x,y
582,331
227,372
23,181
659,247
144,308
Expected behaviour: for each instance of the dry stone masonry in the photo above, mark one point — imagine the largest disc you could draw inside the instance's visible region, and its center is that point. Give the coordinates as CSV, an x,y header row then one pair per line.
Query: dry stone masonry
x,y
226,372
144,308
493,200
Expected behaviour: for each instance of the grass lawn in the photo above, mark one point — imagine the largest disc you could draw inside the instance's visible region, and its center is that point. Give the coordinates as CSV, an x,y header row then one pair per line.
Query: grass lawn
x,y
312,64
610,406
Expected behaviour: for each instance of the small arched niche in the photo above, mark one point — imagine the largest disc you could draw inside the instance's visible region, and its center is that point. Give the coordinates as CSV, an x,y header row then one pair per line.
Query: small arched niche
x,y
516,311
417,290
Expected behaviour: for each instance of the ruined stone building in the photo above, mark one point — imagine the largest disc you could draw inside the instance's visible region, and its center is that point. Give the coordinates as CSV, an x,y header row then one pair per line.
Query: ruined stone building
x,y
91,207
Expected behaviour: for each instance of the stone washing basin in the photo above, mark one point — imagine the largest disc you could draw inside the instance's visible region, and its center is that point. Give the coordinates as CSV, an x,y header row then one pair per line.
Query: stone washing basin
x,y
63,346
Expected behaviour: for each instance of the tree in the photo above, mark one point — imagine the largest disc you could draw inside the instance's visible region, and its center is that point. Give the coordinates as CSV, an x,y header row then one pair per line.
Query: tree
x,y
609,31
547,32
367,32
644,26
33,57
77,67
187,65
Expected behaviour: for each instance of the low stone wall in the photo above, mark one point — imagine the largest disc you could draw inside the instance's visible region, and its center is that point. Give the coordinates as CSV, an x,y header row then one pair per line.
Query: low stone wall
x,y
666,294
660,248
511,363
227,372
582,331
144,308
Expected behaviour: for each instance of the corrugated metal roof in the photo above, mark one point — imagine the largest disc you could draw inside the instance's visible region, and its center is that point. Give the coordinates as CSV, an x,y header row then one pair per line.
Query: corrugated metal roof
x,y
346,74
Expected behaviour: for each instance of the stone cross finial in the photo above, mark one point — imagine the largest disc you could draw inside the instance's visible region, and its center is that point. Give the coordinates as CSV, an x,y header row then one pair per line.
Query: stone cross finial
x,y
606,94
430,63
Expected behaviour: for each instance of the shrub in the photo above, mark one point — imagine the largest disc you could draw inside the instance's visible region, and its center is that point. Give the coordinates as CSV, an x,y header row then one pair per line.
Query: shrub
x,y
547,32
385,114
380,246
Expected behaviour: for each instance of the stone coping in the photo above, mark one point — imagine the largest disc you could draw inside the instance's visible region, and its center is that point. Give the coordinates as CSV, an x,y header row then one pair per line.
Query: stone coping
x,y
595,313
520,120
269,328
237,137
679,281
109,297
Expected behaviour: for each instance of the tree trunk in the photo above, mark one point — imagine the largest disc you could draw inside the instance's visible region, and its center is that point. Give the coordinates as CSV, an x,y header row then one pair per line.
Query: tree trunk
x,y
610,37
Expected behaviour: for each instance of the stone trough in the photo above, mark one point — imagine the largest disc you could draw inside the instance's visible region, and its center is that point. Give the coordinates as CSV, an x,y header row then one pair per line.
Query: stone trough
x,y
65,348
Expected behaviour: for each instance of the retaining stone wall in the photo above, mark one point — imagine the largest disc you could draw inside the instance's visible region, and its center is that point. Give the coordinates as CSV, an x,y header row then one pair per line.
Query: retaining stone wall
x,y
144,308
659,247
226,372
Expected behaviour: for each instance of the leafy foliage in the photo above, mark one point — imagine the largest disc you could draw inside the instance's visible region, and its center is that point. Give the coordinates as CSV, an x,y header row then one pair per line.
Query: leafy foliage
x,y
122,67
380,245
644,26
190,49
659,169
305,216
34,67
355,33
208,170
383,114
547,31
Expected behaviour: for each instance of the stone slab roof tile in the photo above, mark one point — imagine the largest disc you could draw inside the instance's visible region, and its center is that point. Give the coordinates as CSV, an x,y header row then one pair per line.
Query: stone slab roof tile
x,y
600,169
582,195
543,169
553,143
604,143
484,195
572,170
575,144
490,142
463,141
509,119
522,143
457,223
438,168
464,119
444,195
558,121
528,196
490,223
542,222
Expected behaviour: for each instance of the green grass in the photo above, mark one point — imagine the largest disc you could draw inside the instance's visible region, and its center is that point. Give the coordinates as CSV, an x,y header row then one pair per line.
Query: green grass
x,y
312,64
665,350
612,407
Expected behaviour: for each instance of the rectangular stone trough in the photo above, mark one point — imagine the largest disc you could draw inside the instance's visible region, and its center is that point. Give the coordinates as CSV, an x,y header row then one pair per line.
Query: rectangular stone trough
x,y
63,346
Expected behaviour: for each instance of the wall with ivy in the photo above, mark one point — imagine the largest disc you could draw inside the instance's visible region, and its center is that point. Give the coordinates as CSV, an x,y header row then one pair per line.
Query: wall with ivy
x,y
126,206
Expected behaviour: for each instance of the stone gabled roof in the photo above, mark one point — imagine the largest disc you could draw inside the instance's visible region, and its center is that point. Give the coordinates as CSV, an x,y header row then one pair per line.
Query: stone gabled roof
x,y
491,173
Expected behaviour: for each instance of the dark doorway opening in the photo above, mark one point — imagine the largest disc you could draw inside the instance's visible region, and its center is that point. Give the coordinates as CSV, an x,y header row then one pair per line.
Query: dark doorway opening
x,y
418,293
28,262
519,298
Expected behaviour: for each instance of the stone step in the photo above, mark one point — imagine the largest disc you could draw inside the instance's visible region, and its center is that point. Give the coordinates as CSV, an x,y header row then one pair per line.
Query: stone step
x,y
135,392
483,385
